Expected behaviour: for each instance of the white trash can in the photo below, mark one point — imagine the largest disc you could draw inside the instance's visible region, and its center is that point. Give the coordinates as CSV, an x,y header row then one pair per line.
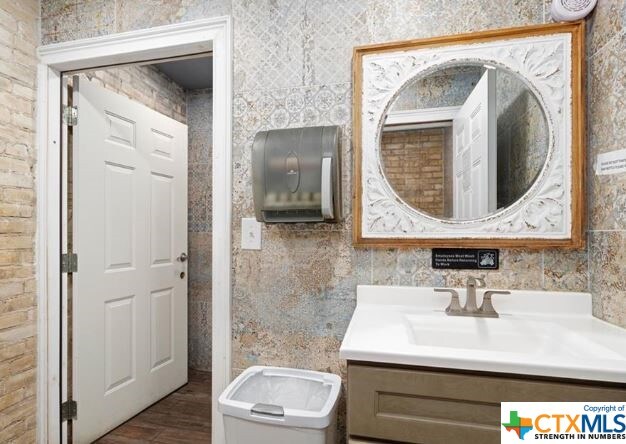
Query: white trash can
x,y
273,405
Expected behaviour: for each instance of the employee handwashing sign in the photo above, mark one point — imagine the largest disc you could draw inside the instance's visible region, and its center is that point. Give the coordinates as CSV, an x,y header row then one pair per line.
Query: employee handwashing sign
x,y
613,162
580,422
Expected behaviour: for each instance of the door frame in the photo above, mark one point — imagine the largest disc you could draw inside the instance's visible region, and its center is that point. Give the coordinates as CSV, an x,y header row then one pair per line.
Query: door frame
x,y
422,115
174,40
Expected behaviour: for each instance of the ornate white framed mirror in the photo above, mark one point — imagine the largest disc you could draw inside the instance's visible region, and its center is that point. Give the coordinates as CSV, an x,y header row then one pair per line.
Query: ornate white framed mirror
x,y
471,140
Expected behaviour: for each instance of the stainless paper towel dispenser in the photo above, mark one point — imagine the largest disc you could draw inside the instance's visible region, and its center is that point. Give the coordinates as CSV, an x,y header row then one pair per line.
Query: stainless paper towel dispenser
x,y
296,175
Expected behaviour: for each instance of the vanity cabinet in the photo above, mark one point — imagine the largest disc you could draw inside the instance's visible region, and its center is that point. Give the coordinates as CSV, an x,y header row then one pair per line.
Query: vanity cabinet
x,y
437,406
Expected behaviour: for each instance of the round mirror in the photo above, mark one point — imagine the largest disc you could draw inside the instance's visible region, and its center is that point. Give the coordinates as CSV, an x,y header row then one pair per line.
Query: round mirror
x,y
464,141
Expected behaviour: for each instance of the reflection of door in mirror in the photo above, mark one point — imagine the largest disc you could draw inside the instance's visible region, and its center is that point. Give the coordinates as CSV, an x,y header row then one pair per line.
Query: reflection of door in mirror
x,y
475,151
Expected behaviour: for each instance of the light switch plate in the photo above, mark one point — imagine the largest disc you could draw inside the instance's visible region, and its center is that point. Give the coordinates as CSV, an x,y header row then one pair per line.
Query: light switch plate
x,y
250,234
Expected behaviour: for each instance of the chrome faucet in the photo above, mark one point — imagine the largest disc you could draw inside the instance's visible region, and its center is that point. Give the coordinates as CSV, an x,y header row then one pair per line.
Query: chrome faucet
x,y
486,309
472,284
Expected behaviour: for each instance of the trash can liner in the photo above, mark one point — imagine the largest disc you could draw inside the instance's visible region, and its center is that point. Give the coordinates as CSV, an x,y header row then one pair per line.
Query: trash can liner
x,y
283,397
288,392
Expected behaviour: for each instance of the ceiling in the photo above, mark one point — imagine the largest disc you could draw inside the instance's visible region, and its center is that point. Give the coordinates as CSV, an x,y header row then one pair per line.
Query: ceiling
x,y
195,73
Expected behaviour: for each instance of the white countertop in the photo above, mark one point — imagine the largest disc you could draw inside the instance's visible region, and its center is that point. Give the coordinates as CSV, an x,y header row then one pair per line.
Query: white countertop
x,y
538,333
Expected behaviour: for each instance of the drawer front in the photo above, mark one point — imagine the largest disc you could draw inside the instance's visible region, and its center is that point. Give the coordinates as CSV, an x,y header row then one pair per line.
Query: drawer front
x,y
432,407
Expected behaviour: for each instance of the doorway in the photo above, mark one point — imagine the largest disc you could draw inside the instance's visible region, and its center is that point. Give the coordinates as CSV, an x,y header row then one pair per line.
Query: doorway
x,y
138,204
89,54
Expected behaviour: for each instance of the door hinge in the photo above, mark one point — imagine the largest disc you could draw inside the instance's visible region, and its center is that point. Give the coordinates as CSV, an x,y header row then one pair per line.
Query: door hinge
x,y
69,410
69,263
70,115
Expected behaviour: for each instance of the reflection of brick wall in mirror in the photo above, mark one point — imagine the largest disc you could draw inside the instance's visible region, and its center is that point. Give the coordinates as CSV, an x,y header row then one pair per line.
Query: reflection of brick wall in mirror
x,y
413,163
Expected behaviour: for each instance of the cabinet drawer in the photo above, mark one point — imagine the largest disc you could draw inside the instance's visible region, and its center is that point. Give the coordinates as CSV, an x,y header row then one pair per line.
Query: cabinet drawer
x,y
433,407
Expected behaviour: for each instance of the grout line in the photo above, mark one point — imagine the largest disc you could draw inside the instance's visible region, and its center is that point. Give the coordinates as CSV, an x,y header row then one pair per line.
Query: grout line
x,y
608,43
297,87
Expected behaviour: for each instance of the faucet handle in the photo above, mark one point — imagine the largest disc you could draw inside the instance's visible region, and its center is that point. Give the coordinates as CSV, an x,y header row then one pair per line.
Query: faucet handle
x,y
487,306
478,282
455,304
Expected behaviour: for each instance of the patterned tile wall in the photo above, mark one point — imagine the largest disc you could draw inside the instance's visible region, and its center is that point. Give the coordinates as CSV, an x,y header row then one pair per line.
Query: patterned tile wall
x,y
293,299
606,99
199,121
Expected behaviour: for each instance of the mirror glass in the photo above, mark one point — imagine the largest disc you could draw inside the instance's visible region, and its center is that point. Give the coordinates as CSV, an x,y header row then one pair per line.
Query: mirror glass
x,y
464,141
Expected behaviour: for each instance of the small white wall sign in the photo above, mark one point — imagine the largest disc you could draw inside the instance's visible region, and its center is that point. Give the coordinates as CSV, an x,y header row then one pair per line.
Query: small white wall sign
x,y
613,162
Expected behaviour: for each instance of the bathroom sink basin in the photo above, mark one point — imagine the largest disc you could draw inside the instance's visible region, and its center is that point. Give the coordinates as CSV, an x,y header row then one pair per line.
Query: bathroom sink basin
x,y
499,335
473,333
538,333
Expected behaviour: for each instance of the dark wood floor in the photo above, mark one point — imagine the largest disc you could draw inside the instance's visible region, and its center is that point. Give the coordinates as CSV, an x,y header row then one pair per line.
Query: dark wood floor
x,y
182,417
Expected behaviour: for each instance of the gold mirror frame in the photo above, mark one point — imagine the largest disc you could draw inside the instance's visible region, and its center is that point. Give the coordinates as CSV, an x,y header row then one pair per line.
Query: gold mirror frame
x,y
569,148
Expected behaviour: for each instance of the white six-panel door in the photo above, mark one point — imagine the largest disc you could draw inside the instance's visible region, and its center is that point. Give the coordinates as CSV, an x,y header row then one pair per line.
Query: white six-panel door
x,y
475,151
130,228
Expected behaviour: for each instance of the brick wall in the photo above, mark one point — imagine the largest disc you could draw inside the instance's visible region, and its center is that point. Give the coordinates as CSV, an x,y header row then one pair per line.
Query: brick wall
x,y
413,162
18,40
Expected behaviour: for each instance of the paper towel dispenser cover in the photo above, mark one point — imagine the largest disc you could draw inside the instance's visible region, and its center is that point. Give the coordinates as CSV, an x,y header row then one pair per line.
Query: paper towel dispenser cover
x,y
296,175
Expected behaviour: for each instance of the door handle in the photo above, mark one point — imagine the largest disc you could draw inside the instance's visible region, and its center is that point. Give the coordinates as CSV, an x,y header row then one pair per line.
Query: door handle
x,y
182,257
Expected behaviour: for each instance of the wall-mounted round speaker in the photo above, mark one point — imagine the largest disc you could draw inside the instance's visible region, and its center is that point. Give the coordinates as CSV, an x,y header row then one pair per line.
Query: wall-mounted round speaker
x,y
571,10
